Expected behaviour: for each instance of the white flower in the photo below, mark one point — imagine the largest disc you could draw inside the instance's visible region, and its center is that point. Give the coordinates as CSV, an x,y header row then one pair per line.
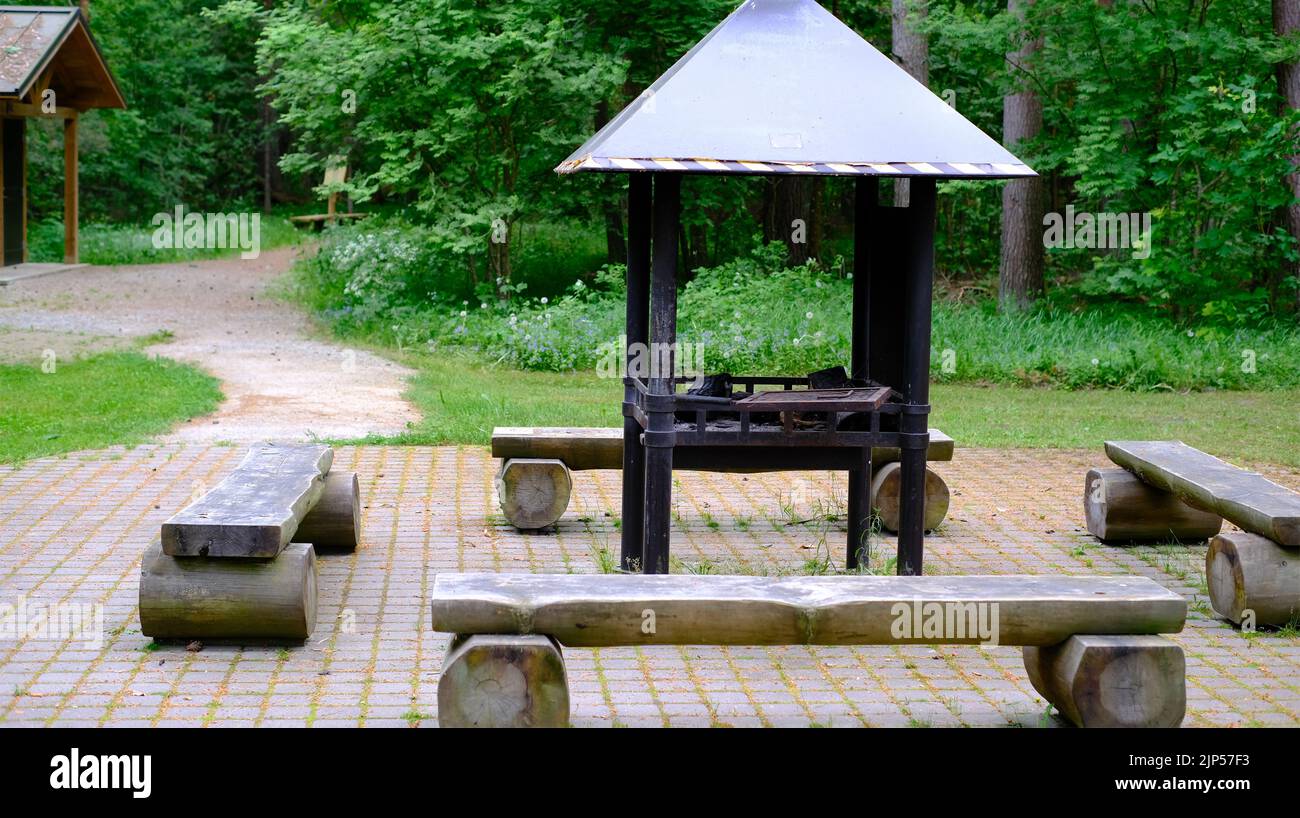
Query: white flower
x,y
462,313
808,315
1095,362
545,300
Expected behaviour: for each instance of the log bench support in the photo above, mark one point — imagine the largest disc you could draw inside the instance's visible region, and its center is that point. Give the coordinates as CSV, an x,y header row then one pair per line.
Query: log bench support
x,y
239,563
253,599
1091,644
503,681
533,493
1112,681
1253,580
1119,508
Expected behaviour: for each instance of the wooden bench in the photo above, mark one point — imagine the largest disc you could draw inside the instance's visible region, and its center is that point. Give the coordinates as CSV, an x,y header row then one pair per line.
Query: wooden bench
x,y
1091,645
335,176
240,561
534,482
1168,490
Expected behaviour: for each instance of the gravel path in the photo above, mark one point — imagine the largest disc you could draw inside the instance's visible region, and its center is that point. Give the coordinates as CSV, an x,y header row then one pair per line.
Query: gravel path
x,y
280,382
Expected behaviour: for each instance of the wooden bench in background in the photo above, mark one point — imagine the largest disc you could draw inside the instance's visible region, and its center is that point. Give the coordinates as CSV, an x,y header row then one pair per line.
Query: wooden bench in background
x,y
1091,645
240,561
534,483
1168,490
334,176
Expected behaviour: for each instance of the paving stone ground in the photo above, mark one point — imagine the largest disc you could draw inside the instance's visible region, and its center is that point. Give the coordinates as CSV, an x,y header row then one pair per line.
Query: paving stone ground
x,y
72,530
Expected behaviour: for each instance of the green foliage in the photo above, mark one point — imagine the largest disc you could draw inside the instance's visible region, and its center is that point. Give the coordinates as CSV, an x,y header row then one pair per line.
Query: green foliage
x,y
459,109
1171,110
191,129
455,112
108,399
753,315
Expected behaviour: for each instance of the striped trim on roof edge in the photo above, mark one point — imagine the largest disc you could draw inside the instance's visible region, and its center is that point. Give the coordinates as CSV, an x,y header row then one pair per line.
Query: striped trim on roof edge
x,y
943,170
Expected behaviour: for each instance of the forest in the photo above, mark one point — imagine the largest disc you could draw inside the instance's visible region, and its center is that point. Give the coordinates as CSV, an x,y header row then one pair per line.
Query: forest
x,y
451,115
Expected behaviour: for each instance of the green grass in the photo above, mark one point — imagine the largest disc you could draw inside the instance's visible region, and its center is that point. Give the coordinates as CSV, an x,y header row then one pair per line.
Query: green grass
x,y
462,398
1239,426
104,400
124,243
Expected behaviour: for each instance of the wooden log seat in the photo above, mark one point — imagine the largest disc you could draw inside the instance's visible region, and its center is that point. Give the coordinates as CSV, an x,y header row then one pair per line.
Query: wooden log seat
x,y
534,490
239,563
1254,575
1092,644
256,510
1243,498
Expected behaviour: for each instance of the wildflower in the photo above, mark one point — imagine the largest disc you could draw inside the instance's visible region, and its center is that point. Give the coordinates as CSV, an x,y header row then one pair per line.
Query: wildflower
x,y
1095,362
545,300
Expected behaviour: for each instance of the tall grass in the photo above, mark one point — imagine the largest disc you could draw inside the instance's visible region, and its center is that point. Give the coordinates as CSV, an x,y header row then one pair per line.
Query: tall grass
x,y
133,244
754,315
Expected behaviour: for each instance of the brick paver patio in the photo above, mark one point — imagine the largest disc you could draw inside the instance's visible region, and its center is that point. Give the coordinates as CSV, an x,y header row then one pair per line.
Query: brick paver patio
x,y
73,530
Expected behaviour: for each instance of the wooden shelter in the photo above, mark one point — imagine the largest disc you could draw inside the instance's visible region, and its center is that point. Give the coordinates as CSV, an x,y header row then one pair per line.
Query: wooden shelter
x,y
50,67
781,87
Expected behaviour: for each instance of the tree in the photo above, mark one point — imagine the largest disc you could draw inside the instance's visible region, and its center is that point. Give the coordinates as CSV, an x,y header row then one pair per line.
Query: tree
x,y
911,50
1286,22
1020,271
458,109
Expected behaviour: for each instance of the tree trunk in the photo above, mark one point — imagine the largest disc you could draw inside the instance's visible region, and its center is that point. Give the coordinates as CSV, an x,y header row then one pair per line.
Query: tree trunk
x,y
1020,273
785,215
615,242
912,53
1286,21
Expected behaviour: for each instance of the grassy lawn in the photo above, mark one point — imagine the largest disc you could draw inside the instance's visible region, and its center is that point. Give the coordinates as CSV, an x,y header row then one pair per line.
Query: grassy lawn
x,y
104,400
462,399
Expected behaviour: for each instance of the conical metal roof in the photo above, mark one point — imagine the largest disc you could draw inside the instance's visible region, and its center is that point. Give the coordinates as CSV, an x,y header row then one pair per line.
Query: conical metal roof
x,y
782,86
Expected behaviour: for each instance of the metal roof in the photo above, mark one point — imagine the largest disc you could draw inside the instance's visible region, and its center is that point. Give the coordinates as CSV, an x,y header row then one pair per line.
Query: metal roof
x,y
35,40
782,86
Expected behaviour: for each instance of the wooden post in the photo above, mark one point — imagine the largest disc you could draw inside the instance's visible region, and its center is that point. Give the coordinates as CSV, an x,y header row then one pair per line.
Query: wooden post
x,y
663,330
71,192
866,193
639,198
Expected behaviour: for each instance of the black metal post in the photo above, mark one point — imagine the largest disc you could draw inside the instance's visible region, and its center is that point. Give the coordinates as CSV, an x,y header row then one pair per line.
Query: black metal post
x,y
914,424
638,318
663,338
866,195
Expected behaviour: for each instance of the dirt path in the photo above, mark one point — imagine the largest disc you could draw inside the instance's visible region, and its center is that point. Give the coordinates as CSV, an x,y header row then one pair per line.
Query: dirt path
x,y
280,382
